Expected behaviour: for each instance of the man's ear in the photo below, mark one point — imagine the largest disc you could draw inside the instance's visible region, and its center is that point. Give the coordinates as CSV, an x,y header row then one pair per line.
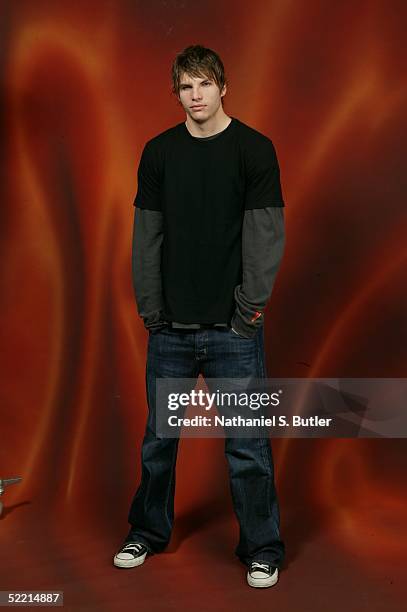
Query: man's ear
x,y
222,93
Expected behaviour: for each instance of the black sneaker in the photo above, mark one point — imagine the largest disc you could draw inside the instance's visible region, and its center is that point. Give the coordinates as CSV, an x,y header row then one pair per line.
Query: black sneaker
x,y
131,554
262,574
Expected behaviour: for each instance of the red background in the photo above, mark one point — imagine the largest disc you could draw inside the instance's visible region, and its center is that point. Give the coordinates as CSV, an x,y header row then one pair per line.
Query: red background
x,y
83,86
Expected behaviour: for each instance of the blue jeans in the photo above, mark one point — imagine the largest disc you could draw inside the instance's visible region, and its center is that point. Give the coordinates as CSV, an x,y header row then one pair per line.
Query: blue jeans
x,y
214,353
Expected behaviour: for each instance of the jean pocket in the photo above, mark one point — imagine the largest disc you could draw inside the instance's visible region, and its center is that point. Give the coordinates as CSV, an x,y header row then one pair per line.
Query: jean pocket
x,y
235,334
153,331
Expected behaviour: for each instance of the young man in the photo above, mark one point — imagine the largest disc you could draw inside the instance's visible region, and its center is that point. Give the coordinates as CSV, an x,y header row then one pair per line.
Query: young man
x,y
207,243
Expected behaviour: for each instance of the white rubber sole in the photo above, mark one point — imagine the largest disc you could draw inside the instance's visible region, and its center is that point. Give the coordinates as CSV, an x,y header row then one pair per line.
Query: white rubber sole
x,y
127,563
262,582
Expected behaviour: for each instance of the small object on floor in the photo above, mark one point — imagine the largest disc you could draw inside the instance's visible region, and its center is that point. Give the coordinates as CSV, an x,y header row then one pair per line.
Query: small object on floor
x,y
262,574
131,554
5,482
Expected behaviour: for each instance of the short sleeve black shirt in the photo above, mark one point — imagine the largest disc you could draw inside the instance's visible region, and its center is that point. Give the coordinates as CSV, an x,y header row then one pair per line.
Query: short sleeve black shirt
x,y
202,187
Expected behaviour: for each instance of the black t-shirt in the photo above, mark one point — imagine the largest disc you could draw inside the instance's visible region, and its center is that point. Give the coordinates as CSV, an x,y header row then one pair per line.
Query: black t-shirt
x,y
203,187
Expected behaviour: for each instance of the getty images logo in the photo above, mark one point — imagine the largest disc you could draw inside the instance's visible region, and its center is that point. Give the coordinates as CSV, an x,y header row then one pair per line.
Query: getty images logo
x,y
206,400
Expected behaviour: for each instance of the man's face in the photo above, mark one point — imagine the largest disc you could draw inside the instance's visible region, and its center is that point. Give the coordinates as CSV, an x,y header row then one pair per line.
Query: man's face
x,y
200,97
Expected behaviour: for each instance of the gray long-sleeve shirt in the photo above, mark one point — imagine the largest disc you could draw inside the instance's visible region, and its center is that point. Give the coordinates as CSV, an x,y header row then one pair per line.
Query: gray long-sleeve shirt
x,y
263,239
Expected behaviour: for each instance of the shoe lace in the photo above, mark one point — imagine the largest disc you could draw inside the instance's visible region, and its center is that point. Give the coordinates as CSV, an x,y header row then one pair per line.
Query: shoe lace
x,y
264,566
132,545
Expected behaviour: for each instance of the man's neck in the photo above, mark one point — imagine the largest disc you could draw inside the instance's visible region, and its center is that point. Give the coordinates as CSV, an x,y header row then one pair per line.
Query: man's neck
x,y
210,127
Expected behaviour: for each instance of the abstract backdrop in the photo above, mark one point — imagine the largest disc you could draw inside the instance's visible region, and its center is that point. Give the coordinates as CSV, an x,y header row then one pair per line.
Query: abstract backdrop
x,y
83,86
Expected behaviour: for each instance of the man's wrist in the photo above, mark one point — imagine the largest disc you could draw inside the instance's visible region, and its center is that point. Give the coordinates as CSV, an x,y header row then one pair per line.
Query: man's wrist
x,y
247,328
154,320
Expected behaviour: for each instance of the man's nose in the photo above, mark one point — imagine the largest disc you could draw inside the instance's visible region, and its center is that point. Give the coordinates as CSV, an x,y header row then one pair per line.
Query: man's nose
x,y
196,94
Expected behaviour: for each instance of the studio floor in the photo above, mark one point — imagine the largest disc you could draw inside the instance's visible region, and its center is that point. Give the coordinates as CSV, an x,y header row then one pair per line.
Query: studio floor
x,y
198,571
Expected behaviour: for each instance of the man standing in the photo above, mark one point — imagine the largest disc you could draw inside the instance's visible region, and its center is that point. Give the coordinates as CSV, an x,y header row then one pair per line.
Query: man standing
x,y
207,243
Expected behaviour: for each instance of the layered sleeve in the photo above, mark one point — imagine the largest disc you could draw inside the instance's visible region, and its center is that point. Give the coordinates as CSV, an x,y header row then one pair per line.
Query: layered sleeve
x,y
263,237
147,240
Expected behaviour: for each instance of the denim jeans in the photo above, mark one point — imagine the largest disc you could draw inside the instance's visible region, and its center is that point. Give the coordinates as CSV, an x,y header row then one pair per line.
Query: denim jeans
x,y
214,353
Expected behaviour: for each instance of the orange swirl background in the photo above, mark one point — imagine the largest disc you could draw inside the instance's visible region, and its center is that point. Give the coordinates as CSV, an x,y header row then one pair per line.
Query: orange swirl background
x,y
83,86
